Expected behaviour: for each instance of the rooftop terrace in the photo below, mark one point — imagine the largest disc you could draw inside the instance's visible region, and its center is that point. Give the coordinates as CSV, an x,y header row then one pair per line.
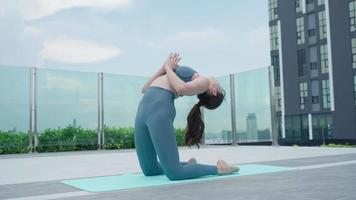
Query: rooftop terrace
x,y
317,173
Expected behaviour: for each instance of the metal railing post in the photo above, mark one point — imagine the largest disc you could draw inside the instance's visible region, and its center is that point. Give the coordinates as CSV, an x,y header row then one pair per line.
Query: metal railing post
x,y
102,111
30,127
233,109
101,136
32,133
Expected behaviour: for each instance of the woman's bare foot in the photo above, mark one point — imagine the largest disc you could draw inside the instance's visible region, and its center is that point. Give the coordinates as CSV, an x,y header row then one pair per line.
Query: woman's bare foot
x,y
192,161
224,168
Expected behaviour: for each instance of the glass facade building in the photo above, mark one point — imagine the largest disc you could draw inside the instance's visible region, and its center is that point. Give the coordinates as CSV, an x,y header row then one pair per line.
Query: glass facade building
x,y
316,67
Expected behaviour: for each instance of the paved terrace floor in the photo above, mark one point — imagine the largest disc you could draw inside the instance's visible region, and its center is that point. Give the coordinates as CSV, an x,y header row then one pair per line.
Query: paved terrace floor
x,y
322,173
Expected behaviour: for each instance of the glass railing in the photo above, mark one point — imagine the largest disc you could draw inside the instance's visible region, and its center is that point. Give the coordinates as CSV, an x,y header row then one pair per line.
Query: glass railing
x,y
253,113
218,122
14,109
67,105
66,110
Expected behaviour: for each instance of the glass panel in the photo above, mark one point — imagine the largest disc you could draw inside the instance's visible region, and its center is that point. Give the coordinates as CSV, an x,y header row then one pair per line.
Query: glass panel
x,y
311,21
313,56
67,110
300,30
355,88
322,126
14,109
310,5
352,15
253,115
272,8
324,59
121,97
353,45
218,121
298,6
297,128
322,24
273,30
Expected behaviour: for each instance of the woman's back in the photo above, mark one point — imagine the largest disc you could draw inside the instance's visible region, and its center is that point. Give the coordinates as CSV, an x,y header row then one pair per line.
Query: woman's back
x,y
185,73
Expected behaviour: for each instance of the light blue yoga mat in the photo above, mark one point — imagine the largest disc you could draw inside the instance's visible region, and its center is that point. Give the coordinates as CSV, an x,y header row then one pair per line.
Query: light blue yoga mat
x,y
129,181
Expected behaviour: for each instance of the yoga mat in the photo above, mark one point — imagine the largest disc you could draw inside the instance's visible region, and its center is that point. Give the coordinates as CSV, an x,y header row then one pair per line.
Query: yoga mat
x,y
129,181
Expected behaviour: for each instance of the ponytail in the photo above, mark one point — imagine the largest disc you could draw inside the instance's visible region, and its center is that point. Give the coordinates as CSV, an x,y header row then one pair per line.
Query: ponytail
x,y
195,126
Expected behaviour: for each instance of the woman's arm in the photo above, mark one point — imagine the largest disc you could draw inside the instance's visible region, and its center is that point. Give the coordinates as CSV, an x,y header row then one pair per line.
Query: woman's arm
x,y
197,86
160,72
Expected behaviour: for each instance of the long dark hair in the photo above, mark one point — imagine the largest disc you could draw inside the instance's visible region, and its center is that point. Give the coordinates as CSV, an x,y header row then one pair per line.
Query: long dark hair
x,y
195,125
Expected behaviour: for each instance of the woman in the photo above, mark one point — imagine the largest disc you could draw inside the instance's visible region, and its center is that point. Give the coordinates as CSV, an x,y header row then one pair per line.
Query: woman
x,y
154,132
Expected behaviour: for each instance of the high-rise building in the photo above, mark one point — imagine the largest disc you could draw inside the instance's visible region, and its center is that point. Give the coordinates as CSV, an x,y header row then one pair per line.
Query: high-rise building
x,y
313,53
251,127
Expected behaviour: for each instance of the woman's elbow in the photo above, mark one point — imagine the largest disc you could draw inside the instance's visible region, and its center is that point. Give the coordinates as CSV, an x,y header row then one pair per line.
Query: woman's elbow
x,y
186,90
181,90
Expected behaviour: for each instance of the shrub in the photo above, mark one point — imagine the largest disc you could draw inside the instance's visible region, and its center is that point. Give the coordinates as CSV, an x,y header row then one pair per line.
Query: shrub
x,y
13,142
73,139
67,139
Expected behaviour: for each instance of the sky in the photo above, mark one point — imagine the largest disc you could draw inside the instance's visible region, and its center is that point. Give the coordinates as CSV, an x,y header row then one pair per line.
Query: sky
x,y
134,37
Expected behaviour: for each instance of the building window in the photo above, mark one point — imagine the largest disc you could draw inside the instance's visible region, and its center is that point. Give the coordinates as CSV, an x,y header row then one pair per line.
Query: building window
x,y
352,11
315,99
274,37
355,88
300,30
353,45
273,8
321,2
311,32
326,93
314,87
303,90
275,64
322,25
301,62
313,65
298,6
324,59
310,5
278,98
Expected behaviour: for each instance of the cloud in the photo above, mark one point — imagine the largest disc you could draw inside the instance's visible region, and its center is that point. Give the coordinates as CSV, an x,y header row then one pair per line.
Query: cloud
x,y
76,50
19,42
203,37
36,9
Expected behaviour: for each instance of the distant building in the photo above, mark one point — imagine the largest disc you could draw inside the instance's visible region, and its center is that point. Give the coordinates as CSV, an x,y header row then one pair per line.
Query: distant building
x,y
313,52
226,136
74,123
251,127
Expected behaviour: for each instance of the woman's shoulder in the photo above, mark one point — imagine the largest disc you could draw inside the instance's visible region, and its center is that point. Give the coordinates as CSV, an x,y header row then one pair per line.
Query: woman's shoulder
x,y
185,73
184,68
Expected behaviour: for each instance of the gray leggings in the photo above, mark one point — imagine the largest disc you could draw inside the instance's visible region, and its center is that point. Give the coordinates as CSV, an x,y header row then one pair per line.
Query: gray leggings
x,y
155,136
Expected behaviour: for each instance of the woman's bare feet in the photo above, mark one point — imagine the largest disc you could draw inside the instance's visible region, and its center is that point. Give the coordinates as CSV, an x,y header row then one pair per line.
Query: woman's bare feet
x,y
224,168
192,161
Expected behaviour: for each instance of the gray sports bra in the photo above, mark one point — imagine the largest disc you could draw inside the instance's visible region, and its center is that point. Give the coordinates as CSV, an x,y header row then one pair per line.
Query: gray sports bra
x,y
185,73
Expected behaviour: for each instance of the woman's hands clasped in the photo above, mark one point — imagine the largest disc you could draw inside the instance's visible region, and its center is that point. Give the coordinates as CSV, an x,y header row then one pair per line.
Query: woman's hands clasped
x,y
172,61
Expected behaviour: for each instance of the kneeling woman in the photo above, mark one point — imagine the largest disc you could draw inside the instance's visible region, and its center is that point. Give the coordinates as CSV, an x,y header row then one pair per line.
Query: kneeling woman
x,y
154,131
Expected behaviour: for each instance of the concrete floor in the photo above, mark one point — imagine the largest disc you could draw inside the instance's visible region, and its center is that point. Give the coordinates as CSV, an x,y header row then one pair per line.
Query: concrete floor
x,y
321,173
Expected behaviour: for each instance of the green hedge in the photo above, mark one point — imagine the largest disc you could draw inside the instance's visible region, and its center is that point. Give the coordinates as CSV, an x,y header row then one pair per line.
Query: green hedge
x,y
13,143
73,139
